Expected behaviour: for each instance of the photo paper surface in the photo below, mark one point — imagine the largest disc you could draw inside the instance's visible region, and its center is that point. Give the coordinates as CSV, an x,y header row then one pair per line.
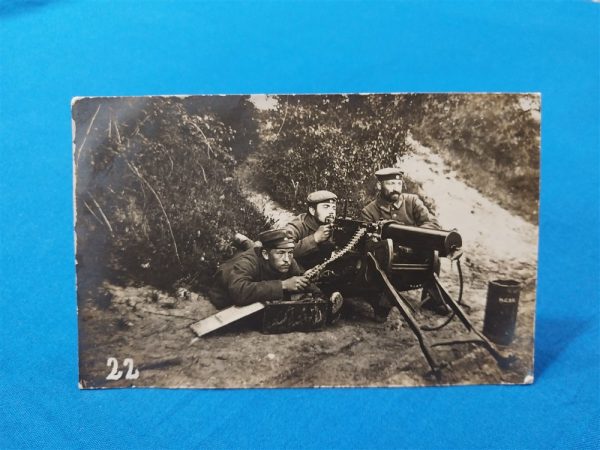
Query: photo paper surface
x,y
306,240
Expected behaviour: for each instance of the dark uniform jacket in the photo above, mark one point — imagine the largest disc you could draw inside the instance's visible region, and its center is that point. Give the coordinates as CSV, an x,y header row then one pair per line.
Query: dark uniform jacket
x,y
411,211
308,252
248,278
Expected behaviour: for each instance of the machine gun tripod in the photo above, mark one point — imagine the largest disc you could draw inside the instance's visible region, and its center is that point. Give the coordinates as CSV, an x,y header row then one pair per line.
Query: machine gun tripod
x,y
391,258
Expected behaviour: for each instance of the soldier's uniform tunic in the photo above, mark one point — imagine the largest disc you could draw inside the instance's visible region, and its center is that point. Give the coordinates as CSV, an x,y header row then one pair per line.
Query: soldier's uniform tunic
x,y
409,211
308,252
248,278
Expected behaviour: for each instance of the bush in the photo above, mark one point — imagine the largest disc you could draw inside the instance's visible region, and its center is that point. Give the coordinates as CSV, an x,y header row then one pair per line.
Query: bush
x,y
155,197
333,142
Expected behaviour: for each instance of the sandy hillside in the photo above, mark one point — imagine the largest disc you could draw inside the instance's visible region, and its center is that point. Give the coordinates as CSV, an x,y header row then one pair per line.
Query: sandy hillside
x,y
492,236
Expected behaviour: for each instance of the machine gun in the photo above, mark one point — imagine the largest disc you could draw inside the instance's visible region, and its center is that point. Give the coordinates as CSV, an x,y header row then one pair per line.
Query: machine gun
x,y
378,258
389,258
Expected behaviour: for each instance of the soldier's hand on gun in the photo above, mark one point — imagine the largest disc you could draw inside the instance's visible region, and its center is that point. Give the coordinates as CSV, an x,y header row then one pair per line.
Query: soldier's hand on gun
x,y
295,284
323,233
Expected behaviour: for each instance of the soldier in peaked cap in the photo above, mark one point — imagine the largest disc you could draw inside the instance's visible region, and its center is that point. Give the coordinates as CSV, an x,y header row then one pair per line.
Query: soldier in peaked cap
x,y
312,230
407,209
392,204
266,273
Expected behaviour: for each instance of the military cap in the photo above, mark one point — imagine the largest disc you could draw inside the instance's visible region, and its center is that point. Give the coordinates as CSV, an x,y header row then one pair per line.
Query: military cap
x,y
321,197
279,238
389,173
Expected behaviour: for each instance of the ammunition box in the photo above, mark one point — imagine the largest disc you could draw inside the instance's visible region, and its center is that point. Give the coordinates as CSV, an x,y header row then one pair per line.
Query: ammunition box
x,y
307,314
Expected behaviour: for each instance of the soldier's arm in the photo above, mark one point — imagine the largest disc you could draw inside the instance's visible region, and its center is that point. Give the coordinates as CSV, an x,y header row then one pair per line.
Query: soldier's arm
x,y
243,290
367,216
423,217
304,246
297,269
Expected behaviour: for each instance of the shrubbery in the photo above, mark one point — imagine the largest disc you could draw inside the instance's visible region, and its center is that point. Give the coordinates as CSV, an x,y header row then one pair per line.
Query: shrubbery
x,y
337,142
155,196
333,142
157,200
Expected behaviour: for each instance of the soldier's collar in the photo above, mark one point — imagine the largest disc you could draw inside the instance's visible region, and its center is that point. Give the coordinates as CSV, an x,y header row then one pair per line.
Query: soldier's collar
x,y
387,206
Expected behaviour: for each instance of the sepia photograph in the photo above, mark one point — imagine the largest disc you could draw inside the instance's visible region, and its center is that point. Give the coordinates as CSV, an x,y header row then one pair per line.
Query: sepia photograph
x,y
335,240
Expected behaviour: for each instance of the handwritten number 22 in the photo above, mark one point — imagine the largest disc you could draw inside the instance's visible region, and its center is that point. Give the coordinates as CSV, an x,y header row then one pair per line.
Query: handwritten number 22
x,y
116,374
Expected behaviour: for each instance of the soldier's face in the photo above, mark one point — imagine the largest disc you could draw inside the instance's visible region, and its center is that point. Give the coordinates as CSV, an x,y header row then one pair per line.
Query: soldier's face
x,y
391,189
280,259
323,212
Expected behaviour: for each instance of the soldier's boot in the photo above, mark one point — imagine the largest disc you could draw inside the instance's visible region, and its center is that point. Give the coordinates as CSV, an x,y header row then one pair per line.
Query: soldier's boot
x,y
335,302
242,242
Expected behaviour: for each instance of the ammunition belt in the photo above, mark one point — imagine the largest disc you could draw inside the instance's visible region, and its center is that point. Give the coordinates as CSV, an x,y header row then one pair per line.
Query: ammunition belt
x,y
315,271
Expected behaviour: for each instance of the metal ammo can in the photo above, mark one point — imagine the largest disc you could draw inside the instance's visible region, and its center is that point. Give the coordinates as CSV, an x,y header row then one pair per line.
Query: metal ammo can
x,y
501,310
305,314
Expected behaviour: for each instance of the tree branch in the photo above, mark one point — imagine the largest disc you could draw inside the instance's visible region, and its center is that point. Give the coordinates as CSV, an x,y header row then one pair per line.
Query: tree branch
x,y
137,173
203,174
93,213
102,213
117,131
284,117
197,128
78,152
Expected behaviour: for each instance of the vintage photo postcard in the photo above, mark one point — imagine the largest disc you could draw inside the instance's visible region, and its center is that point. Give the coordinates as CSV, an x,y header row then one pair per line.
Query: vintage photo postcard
x,y
306,240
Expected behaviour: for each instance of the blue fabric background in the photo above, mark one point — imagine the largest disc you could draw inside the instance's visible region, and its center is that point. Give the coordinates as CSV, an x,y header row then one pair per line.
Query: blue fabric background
x,y
51,51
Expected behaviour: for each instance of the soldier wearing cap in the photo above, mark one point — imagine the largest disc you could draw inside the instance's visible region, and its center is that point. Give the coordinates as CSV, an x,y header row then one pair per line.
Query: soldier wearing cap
x,y
392,204
312,230
407,209
259,274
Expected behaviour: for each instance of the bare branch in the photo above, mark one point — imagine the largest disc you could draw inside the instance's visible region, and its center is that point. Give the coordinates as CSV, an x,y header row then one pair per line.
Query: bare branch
x,y
203,174
102,213
78,152
199,130
117,131
137,127
284,117
172,164
137,173
93,213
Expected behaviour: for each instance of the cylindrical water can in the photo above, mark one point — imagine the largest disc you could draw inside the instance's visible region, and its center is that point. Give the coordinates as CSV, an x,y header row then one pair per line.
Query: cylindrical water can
x,y
501,310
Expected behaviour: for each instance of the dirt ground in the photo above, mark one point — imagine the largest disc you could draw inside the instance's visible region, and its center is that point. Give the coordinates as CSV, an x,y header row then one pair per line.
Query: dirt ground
x,y
152,327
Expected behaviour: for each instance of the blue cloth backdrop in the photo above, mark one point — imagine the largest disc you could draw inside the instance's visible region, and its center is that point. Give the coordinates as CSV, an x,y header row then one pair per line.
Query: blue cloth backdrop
x,y
51,51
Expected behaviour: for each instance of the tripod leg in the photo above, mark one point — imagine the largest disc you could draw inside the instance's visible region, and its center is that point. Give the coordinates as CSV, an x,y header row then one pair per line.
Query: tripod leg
x,y
400,303
503,360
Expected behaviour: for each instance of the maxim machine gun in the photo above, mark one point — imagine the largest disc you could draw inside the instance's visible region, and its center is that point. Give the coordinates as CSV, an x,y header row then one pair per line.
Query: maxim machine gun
x,y
389,258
